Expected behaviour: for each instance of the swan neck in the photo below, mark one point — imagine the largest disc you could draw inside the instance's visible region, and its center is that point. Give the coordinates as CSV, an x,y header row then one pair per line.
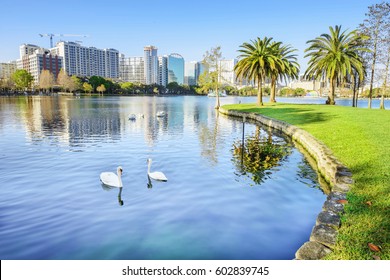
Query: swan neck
x,y
120,179
149,164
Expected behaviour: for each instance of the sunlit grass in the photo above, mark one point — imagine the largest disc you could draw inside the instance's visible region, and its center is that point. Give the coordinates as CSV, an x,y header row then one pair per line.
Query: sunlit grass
x,y
360,139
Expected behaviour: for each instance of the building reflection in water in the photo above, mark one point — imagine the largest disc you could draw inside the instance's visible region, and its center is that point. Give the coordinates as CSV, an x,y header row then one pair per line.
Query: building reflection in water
x,y
79,122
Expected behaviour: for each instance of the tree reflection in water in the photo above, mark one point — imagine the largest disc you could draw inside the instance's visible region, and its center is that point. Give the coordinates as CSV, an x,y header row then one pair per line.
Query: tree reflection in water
x,y
258,155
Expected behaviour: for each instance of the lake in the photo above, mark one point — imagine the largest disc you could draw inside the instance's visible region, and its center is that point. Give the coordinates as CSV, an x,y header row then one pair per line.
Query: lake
x,y
53,206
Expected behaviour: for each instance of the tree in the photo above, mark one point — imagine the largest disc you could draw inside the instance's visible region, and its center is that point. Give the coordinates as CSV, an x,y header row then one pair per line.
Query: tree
x,y
6,84
286,68
101,89
63,80
22,79
205,82
375,27
257,60
334,56
211,59
128,87
87,87
46,80
96,81
74,84
385,76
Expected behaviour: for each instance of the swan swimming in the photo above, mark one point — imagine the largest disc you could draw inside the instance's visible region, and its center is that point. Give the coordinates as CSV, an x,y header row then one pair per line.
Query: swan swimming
x,y
160,114
132,117
111,179
157,175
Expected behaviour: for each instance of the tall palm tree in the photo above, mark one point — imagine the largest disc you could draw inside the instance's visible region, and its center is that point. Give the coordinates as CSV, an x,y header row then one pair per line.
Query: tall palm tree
x,y
256,61
335,55
289,68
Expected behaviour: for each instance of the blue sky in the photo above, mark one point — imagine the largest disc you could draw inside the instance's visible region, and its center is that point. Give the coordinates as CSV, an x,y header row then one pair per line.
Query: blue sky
x,y
185,27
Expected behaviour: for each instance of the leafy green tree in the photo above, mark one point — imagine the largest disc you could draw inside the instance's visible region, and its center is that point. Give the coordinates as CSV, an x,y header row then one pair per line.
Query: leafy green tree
x,y
211,59
376,27
334,56
206,82
87,87
22,79
96,81
128,87
75,83
257,60
101,89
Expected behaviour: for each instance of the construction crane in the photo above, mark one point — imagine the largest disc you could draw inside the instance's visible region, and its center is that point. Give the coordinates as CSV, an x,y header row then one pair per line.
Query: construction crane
x,y
60,35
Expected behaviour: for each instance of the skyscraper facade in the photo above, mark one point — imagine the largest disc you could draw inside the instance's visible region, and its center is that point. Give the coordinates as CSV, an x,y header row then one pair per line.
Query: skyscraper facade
x,y
151,65
163,70
88,61
131,69
175,68
190,73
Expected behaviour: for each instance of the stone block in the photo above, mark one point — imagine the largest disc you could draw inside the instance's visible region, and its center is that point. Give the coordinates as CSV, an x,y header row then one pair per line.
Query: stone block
x,y
329,219
312,251
333,206
324,235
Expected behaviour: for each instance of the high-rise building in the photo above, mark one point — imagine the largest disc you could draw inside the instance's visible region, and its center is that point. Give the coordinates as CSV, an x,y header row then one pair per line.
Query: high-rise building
x,y
131,69
163,70
88,61
190,73
175,68
35,59
151,65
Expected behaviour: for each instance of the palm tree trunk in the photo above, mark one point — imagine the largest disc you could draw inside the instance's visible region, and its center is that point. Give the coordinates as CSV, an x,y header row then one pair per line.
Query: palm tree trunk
x,y
260,93
273,90
330,100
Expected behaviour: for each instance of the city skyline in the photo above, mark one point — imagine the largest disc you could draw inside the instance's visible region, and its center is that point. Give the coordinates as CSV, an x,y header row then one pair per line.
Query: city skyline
x,y
175,27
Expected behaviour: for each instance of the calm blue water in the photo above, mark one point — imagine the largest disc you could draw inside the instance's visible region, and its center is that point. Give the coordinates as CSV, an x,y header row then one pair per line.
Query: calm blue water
x,y
52,205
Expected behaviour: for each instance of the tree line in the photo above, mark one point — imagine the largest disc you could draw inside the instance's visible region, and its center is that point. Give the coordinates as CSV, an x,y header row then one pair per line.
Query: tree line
x,y
339,57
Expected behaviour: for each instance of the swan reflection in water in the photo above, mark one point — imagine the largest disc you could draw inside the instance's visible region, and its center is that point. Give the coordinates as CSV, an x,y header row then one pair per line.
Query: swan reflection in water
x,y
109,188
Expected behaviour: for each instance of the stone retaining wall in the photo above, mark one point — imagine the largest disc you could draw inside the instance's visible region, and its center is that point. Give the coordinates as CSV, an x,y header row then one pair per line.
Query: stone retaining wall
x,y
324,233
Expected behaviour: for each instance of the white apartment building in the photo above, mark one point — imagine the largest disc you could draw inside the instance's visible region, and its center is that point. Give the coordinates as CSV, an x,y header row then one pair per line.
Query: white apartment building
x,y
131,69
151,65
88,61
35,59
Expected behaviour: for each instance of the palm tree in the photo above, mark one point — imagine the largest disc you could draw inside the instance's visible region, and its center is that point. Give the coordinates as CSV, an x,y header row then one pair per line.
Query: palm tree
x,y
288,68
335,55
257,60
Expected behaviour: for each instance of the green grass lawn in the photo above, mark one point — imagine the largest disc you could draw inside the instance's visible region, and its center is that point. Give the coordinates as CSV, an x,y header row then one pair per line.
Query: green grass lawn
x,y
360,139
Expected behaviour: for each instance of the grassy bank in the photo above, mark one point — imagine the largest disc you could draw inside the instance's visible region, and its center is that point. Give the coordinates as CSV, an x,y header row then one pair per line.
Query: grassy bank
x,y
360,139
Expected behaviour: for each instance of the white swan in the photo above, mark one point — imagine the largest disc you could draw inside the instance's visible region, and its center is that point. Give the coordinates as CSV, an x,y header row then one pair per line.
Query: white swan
x,y
111,179
157,175
160,114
